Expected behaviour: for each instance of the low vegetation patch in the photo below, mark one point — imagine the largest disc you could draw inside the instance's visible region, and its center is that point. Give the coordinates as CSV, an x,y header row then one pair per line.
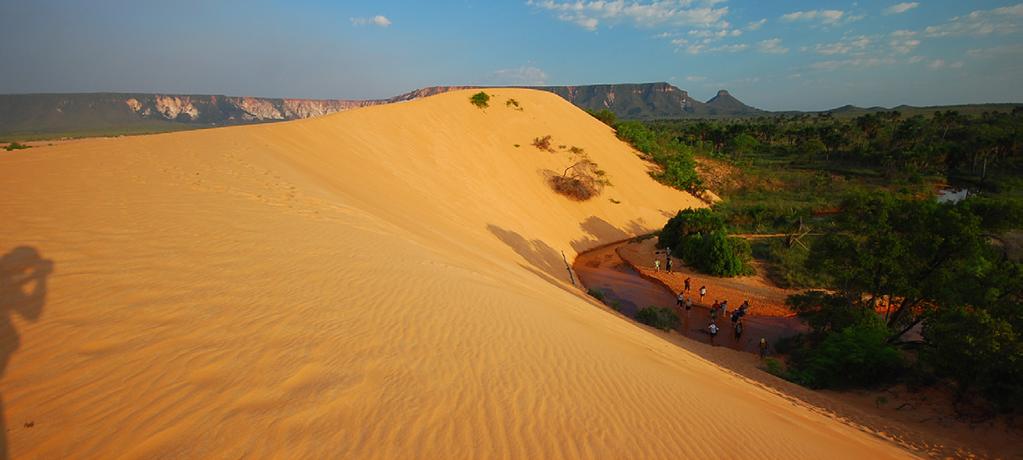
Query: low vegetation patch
x,y
662,318
480,99
16,146
543,143
512,103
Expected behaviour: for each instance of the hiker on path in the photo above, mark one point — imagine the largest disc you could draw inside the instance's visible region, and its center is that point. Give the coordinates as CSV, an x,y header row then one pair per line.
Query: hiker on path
x,y
687,284
713,330
763,347
657,265
689,305
714,310
738,330
703,292
724,308
681,299
667,264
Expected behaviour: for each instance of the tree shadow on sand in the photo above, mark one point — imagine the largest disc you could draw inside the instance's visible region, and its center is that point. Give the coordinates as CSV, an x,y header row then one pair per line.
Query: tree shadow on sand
x,y
23,274
549,263
543,259
600,232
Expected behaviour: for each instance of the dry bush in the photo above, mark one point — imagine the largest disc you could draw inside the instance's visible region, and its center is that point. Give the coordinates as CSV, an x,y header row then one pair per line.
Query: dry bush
x,y
580,181
543,143
576,150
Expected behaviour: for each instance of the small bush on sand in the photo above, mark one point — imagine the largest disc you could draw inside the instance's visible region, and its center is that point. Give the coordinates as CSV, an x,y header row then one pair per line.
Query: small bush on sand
x,y
580,181
480,99
16,146
576,150
513,104
664,319
543,143
596,294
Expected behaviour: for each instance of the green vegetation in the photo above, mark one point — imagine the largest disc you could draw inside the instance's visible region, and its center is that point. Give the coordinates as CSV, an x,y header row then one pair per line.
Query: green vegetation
x,y
513,104
700,238
480,99
907,289
596,294
915,263
678,167
606,116
664,319
16,146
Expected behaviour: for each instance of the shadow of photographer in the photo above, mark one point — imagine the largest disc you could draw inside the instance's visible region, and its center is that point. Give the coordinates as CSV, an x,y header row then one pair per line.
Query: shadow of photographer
x,y
23,275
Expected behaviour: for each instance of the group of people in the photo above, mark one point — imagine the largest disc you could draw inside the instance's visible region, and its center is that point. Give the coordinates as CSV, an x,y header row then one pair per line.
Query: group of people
x,y
718,308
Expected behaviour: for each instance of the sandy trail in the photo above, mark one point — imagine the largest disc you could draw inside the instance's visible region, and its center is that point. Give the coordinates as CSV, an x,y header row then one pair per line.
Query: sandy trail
x,y
380,283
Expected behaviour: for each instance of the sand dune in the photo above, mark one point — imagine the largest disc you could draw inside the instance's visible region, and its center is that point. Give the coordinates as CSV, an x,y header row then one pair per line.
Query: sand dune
x,y
381,283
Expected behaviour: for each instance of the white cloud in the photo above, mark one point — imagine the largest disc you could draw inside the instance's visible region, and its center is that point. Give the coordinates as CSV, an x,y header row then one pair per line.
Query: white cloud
x,y
378,20
916,59
904,46
705,46
900,8
858,63
845,46
523,75
772,46
590,14
756,25
695,78
824,16
1004,20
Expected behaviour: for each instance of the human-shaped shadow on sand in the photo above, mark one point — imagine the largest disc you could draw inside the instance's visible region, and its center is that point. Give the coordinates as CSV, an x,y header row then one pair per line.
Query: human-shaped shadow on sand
x,y
23,276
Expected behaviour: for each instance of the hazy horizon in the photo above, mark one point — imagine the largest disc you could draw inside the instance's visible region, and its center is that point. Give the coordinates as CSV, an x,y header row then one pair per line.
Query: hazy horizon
x,y
801,56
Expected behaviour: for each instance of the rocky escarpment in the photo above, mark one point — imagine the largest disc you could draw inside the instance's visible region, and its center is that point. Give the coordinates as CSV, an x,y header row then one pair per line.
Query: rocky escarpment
x,y
40,115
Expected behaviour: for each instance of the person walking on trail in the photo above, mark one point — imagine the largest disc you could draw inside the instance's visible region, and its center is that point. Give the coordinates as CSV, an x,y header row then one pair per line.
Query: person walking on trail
x,y
681,299
713,330
724,308
703,292
657,265
738,330
763,347
714,310
667,260
687,284
689,305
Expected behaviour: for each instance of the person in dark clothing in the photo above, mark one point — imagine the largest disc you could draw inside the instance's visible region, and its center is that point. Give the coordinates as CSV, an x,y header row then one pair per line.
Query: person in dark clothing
x,y
687,284
738,329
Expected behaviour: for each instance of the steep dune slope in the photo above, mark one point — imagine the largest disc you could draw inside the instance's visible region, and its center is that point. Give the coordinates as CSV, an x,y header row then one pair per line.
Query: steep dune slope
x,y
386,282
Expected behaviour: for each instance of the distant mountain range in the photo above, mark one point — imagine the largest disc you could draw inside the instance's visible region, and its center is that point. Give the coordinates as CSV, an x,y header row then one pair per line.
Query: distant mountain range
x,y
28,116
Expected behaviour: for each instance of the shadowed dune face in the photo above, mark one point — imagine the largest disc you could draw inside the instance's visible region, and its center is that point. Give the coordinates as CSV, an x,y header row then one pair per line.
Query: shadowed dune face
x,y
380,283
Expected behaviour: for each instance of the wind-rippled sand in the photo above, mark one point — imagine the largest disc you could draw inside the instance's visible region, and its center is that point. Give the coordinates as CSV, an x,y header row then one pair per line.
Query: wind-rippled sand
x,y
381,283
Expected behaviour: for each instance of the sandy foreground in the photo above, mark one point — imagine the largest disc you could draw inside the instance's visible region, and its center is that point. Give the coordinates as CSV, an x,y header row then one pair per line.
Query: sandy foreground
x,y
381,283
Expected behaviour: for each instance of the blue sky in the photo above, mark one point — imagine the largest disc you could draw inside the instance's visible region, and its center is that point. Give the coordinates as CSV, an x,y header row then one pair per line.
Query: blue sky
x,y
771,54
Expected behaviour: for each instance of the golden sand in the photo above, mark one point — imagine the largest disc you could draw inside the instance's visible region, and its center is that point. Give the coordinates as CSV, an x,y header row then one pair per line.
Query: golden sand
x,y
381,283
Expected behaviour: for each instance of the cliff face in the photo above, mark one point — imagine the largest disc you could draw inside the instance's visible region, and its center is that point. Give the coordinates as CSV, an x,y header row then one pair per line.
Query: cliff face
x,y
118,113
113,113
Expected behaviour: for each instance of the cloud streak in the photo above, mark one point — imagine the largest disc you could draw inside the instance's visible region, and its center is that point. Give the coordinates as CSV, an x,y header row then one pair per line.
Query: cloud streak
x,y
900,8
378,20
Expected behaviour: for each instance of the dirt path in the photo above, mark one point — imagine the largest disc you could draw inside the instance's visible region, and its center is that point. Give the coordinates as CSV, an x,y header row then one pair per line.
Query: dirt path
x,y
603,269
